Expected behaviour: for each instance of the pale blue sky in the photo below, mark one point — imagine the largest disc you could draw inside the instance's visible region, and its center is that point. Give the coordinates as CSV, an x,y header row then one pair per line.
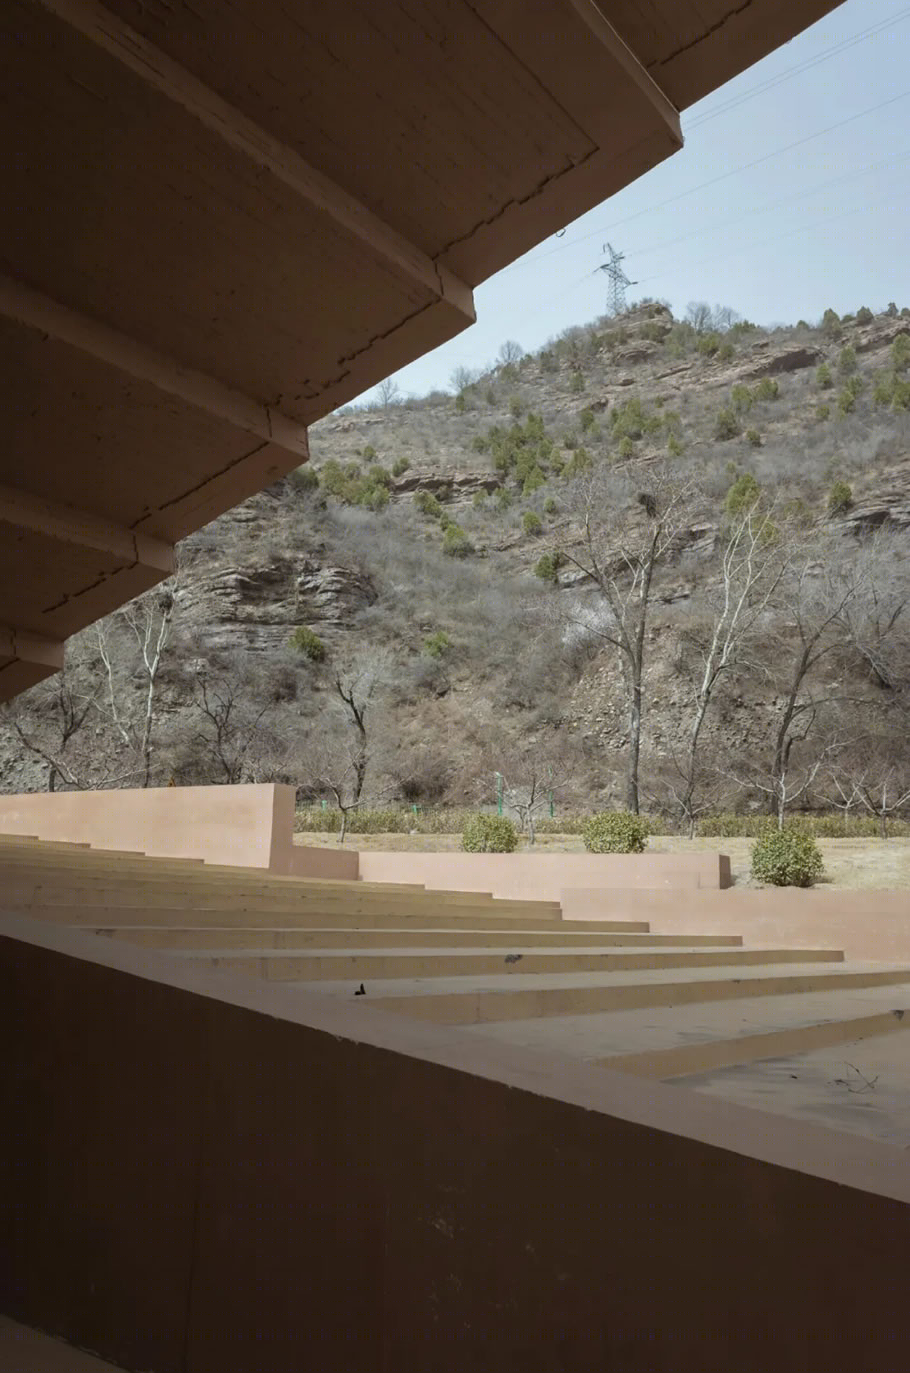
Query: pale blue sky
x,y
824,223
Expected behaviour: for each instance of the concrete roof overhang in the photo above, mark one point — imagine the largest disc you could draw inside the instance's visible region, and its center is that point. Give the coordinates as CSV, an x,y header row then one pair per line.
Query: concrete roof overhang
x,y
222,220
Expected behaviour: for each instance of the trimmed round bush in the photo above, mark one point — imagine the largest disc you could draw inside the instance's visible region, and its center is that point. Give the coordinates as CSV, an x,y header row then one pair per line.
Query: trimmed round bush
x,y
786,858
615,831
489,834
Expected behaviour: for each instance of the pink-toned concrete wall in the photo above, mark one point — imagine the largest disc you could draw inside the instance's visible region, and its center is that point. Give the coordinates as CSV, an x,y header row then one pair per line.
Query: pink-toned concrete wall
x,y
246,826
545,876
206,1174
865,924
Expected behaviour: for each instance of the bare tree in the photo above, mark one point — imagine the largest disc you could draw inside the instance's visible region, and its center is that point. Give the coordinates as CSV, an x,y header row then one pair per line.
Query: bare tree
x,y
147,621
620,557
877,617
462,378
339,758
51,718
230,718
813,596
750,572
510,353
532,781
387,393
880,778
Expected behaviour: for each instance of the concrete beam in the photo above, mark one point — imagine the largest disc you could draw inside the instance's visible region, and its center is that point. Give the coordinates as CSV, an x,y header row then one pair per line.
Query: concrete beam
x,y
623,55
84,530
135,359
24,647
173,81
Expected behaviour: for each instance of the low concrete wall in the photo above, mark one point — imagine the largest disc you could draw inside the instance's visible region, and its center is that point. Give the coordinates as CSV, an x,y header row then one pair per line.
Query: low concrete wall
x,y
865,924
203,1174
247,826
544,876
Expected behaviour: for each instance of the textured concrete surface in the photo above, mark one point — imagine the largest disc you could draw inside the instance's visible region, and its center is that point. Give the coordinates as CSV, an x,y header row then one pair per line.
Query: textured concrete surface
x,y
23,1350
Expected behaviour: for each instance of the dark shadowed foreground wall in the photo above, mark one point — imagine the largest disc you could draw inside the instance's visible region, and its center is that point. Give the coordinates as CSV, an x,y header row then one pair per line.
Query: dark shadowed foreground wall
x,y
206,1177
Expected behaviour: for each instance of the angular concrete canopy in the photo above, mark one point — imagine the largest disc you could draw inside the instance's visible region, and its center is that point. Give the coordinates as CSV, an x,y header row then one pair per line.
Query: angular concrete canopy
x,y
222,220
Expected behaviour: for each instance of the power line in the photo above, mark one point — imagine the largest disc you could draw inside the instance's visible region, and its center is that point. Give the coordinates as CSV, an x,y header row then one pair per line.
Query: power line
x,y
776,204
732,102
751,247
723,176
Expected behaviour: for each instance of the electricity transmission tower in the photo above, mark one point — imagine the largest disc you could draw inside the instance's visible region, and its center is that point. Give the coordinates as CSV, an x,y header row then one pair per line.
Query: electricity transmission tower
x,y
616,295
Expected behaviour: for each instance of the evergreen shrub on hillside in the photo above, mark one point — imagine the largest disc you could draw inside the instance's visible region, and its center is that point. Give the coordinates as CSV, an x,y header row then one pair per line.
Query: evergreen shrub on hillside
x,y
309,644
531,523
615,831
489,834
786,857
726,425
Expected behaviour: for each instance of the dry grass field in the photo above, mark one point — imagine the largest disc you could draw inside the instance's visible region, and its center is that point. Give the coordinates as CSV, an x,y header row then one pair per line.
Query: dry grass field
x,y
858,864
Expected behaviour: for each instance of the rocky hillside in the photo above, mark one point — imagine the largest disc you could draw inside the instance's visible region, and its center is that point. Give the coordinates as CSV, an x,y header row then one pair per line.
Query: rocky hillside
x,y
429,548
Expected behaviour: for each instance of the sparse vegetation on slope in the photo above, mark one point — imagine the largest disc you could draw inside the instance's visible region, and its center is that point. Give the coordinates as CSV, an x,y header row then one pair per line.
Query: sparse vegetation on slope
x,y
454,534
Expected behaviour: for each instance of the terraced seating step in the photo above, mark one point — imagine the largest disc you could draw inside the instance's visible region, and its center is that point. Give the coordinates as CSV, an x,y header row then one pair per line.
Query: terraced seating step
x,y
329,964
487,999
225,938
673,1041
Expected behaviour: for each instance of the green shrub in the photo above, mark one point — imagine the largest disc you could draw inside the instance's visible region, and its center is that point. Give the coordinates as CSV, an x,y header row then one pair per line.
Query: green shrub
x,y
633,420
754,437
531,523
822,412
480,443
786,857
368,453
577,383
460,403
427,504
743,495
741,397
516,407
767,389
309,644
479,499
586,419
456,543
615,831
550,507
489,834
304,478
626,448
823,377
547,566
726,425
846,363
437,645
840,498
399,467
726,352
900,352
864,315
353,486
831,324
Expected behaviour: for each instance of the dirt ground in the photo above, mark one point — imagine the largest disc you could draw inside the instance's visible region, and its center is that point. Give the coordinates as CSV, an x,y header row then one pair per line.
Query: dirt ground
x,y
857,864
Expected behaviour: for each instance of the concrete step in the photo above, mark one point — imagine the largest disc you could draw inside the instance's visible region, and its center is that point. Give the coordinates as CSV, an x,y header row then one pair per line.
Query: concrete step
x,y
80,901
486,1000
225,938
861,1086
141,919
666,1042
332,964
